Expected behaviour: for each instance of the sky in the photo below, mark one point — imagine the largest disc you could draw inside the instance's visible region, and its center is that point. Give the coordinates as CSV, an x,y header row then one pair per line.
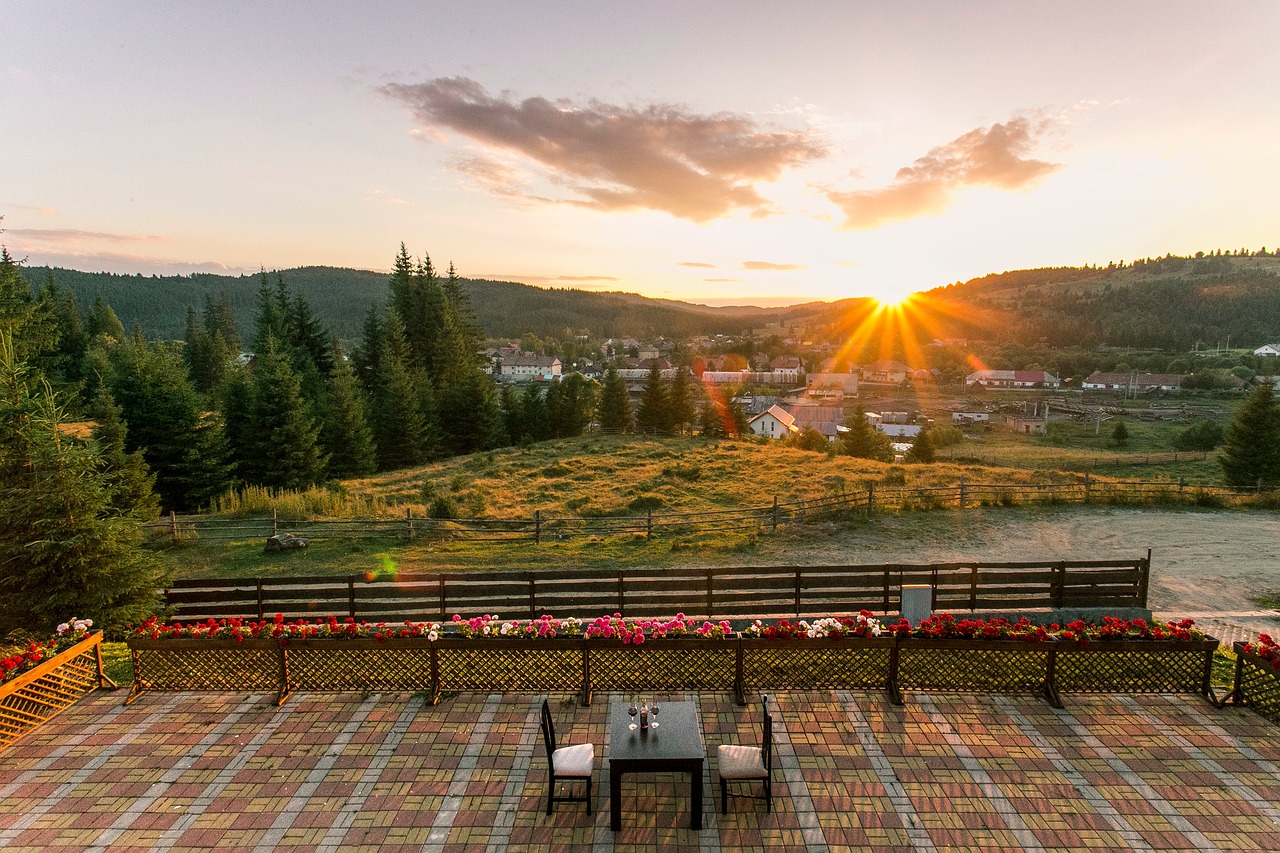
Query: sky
x,y
718,152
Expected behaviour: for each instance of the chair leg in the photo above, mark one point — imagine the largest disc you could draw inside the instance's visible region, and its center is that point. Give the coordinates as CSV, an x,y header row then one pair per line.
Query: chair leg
x,y
724,796
768,795
551,794
588,795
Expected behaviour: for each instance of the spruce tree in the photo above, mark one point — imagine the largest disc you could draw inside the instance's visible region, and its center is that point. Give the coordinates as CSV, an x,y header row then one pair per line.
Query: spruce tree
x,y
283,441
614,413
103,325
513,414
346,435
653,414
400,431
537,421
64,549
922,449
863,441
680,401
1250,452
129,481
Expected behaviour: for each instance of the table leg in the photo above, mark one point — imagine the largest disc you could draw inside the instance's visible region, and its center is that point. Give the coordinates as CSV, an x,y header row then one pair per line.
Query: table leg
x,y
695,814
615,799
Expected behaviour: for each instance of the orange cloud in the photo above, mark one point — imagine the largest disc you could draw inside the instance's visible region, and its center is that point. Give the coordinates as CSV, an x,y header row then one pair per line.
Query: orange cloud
x,y
697,264
766,265
992,156
656,157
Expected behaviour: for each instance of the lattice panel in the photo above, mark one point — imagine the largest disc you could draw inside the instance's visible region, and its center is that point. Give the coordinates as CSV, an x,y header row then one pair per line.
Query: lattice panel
x,y
358,669
1109,670
1260,687
202,668
26,707
973,670
511,669
845,667
651,667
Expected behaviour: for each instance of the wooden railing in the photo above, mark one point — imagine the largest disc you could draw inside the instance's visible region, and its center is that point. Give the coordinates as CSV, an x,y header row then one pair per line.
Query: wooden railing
x,y
40,694
714,593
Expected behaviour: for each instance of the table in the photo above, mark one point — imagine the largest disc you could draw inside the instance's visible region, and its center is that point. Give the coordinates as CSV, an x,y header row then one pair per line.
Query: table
x,y
675,746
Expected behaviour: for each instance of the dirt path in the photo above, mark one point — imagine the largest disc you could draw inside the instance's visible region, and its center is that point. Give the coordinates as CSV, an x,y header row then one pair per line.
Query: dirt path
x,y
1205,563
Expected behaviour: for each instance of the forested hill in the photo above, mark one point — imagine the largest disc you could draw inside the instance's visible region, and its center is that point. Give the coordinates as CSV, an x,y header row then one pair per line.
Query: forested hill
x,y
342,298
1166,303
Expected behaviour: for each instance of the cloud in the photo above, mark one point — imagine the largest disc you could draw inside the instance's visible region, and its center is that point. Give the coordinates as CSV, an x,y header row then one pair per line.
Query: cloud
x,y
608,157
766,265
696,264
724,280
75,237
126,263
992,157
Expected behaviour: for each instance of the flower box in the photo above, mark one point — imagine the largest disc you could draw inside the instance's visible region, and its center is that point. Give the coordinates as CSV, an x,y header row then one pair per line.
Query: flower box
x,y
667,664
509,664
37,695
252,664
1257,681
956,664
1136,666
819,663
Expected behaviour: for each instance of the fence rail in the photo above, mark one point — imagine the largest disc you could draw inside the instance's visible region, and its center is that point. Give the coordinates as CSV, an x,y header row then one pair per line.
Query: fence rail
x,y
714,593
866,500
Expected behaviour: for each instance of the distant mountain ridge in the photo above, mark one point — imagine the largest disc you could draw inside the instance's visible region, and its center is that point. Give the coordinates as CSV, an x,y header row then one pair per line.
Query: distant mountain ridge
x,y
1168,303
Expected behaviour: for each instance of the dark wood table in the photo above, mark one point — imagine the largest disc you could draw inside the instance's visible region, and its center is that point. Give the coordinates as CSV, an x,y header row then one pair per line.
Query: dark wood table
x,y
675,746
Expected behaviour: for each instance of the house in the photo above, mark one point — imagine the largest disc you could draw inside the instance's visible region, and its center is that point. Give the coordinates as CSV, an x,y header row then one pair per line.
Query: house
x,y
1013,379
828,420
900,430
1033,424
528,367
832,387
1140,383
884,372
775,423
1268,349
970,418
768,377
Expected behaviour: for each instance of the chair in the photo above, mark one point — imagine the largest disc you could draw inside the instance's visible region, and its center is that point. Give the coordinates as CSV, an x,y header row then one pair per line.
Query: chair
x,y
568,763
748,764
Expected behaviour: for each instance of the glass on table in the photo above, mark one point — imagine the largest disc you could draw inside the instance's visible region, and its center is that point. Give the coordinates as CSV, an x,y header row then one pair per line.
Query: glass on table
x,y
632,710
653,709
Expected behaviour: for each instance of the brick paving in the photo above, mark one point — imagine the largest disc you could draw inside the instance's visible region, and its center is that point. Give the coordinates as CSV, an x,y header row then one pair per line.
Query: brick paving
x,y
387,772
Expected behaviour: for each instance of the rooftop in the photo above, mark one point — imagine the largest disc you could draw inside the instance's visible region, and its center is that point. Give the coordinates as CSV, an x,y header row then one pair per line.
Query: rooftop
x,y
329,772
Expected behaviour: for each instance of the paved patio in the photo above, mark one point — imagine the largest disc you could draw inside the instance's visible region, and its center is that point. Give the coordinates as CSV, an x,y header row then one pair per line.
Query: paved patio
x,y
386,772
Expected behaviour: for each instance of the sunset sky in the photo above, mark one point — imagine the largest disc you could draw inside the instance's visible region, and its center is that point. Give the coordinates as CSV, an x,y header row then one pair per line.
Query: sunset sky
x,y
726,152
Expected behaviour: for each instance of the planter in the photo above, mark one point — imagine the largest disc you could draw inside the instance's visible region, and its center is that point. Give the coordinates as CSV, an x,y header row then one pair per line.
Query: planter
x,y
975,666
1136,666
357,664
29,700
252,665
1257,684
669,663
502,665
852,663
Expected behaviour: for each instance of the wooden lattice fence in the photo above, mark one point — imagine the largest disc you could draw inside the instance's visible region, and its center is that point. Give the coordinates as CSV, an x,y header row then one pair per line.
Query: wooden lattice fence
x,y
40,694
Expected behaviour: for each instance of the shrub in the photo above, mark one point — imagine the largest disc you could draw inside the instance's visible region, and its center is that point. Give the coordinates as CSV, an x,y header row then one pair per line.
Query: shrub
x,y
1203,435
444,506
645,503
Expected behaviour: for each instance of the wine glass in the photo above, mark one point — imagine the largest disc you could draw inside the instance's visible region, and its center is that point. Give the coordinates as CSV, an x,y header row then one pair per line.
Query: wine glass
x,y
633,710
653,710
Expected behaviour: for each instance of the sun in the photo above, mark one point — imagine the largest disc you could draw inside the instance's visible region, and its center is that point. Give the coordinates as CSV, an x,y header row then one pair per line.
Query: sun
x,y
888,301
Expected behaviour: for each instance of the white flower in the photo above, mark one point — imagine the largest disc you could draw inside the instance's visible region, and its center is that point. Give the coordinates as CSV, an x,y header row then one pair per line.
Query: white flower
x,y
64,628
433,636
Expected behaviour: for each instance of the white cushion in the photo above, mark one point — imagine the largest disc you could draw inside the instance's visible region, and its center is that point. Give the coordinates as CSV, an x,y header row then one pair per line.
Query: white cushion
x,y
741,762
576,760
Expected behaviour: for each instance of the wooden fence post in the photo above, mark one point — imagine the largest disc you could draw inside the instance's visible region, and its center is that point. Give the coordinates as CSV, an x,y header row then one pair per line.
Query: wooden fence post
x,y
351,595
621,609
275,522
962,492
710,593
537,526
1086,485
173,525
1059,588
261,609
1144,580
533,599
871,498
775,513
648,528
408,522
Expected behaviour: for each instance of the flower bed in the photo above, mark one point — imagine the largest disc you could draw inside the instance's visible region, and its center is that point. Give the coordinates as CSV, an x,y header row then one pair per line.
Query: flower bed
x,y
487,654
1135,656
41,680
1257,681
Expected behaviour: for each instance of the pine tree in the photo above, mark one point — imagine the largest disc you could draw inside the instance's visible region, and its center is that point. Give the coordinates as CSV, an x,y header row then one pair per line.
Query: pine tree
x,y
922,449
570,403
537,422
615,406
64,549
863,441
346,435
712,417
283,441
220,320
103,325
653,414
270,322
680,401
400,431
129,481
1250,452
513,414
365,359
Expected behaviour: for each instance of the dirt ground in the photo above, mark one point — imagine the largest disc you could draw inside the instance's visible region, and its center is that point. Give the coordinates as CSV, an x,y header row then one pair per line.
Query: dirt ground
x,y
1205,563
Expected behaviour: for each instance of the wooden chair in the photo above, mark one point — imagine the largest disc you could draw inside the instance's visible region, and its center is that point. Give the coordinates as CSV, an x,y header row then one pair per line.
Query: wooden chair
x,y
568,763
748,764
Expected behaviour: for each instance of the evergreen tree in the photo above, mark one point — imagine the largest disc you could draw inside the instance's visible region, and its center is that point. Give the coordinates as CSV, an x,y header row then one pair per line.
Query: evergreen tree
x,y
365,359
922,449
615,405
400,431
1120,435
463,315
653,414
513,414
220,321
346,435
64,550
271,320
167,421
569,409
863,441
103,325
1250,451
537,421
64,362
31,328
206,361
130,483
680,402
283,442
713,416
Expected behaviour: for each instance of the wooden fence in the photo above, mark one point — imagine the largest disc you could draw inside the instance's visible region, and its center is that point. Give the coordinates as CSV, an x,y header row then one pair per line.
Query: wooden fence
x,y
715,593
866,500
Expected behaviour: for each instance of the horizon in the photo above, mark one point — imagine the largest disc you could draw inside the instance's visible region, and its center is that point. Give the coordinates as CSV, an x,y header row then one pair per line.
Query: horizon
x,y
895,150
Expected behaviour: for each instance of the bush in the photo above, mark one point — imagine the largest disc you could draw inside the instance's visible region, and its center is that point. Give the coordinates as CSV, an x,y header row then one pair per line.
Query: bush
x,y
1204,435
645,503
444,506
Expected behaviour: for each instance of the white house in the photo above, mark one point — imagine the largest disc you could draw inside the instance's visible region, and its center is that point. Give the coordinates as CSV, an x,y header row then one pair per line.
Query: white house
x,y
832,386
1013,379
1268,349
527,367
1135,382
970,418
775,423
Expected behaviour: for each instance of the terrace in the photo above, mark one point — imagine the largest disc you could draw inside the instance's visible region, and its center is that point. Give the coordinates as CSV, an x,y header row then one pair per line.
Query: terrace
x,y
352,772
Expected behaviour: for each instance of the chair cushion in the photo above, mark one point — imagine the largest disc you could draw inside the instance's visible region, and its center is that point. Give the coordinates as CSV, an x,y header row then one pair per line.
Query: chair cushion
x,y
740,762
576,760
